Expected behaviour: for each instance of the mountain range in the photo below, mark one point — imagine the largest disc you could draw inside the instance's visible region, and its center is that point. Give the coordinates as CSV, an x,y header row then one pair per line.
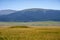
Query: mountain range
x,y
30,15
6,12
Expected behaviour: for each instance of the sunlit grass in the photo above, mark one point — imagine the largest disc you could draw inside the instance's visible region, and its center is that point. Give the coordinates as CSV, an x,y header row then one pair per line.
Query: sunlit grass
x,y
34,33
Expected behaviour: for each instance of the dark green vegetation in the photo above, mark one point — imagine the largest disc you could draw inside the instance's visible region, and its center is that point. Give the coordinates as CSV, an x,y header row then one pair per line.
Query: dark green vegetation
x,y
31,15
19,27
30,33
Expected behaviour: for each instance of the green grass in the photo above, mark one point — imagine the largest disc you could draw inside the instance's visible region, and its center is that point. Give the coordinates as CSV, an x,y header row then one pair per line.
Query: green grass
x,y
42,23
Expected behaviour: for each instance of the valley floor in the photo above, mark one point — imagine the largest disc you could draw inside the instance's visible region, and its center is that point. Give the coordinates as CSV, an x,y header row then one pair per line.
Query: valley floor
x,y
32,33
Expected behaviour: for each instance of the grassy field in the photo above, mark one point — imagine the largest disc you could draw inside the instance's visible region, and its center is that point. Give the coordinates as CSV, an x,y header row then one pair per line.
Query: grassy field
x,y
42,23
30,33
49,30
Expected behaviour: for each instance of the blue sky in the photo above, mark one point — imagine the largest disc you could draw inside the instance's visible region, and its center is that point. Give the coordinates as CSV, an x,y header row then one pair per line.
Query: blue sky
x,y
25,4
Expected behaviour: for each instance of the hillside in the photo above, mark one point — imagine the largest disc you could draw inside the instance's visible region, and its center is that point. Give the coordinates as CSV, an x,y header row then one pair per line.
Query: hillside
x,y
33,14
6,12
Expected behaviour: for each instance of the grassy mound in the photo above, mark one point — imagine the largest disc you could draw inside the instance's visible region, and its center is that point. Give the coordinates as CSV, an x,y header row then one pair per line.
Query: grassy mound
x,y
19,27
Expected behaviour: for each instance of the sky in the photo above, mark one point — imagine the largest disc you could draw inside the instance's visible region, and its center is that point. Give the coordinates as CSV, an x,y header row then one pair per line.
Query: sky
x,y
26,4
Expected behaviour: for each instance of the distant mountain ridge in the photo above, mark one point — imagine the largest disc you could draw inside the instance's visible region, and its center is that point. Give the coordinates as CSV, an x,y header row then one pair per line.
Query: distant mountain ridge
x,y
6,12
33,14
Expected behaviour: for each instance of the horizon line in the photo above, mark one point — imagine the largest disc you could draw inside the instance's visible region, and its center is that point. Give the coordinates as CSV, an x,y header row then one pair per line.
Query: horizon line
x,y
30,8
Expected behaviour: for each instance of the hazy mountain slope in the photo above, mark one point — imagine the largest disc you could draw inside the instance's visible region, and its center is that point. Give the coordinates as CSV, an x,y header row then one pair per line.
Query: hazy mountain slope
x,y
34,14
6,12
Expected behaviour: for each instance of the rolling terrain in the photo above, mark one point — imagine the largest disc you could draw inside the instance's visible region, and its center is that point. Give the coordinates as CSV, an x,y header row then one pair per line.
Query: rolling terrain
x,y
30,24
6,12
32,15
